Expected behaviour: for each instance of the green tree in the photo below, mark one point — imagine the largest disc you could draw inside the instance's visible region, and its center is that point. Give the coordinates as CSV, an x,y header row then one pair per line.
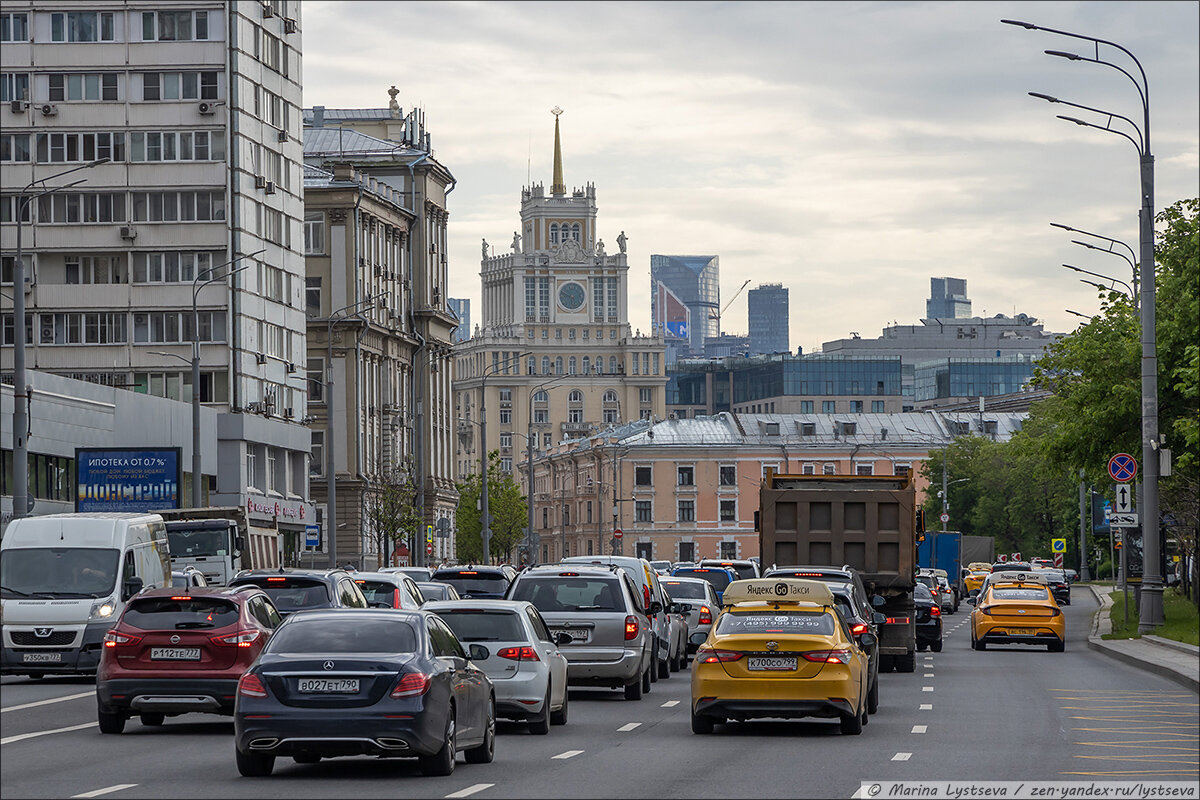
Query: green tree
x,y
509,515
392,508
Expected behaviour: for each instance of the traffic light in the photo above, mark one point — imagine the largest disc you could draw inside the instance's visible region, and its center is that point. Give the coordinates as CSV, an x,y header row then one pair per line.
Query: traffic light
x,y
919,526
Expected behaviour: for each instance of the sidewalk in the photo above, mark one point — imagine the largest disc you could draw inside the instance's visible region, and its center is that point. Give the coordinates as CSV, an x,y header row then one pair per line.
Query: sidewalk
x,y
1176,661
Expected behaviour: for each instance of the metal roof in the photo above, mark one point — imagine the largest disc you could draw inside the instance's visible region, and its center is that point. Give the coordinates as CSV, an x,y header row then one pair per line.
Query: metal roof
x,y
347,141
350,114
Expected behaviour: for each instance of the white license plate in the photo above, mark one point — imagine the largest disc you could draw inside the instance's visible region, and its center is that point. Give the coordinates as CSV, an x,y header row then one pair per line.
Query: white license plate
x,y
576,634
326,685
41,658
1022,631
755,663
174,653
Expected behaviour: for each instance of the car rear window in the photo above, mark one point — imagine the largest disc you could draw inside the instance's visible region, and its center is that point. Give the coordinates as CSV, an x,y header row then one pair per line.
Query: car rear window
x,y
380,591
681,590
570,594
1018,594
293,594
362,635
484,626
174,613
471,582
807,622
719,578
922,592
744,572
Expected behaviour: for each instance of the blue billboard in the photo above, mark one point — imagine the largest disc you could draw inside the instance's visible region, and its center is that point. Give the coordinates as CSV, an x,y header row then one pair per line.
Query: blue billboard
x,y
128,479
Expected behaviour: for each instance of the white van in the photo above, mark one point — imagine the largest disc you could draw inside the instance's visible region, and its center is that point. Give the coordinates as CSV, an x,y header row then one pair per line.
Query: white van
x,y
64,580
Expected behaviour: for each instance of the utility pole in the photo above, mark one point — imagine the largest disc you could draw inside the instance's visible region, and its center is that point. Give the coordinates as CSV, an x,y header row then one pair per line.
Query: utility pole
x,y
1085,517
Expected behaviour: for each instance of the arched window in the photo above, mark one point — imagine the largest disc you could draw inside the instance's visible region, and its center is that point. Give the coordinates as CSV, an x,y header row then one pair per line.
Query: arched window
x,y
554,233
612,364
532,365
587,365
575,231
600,364
540,396
571,364
545,365
576,396
558,365
610,396
575,406
612,407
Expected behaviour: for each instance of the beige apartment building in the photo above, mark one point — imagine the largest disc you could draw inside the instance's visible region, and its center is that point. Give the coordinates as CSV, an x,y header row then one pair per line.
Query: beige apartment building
x,y
685,489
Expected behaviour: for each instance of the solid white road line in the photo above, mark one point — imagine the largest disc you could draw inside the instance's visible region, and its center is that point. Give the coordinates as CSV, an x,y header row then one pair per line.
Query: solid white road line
x,y
628,727
920,728
568,754
926,688
670,704
51,700
926,707
902,757
470,790
19,737
106,790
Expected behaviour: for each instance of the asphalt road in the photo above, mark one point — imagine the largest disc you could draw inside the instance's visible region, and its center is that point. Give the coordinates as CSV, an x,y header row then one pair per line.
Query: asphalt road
x,y
1017,713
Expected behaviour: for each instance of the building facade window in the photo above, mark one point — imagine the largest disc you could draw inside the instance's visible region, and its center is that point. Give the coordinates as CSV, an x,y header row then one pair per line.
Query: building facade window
x,y
686,476
728,474
877,406
728,511
316,455
82,26
182,266
14,86
189,206
80,207
687,511
66,148
828,406
174,26
178,86
94,269
83,86
154,146
14,147
856,406
314,233
864,469
14,28
80,327
728,550
642,476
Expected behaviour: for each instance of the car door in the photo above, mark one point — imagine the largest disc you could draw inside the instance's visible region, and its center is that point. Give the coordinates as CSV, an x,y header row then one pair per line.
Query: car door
x,y
464,685
556,660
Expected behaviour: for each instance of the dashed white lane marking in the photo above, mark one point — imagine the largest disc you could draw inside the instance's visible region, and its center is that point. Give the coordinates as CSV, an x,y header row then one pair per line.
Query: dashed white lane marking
x,y
628,727
926,707
470,790
20,736
51,700
106,790
926,688
920,728
902,757
928,674
670,704
568,754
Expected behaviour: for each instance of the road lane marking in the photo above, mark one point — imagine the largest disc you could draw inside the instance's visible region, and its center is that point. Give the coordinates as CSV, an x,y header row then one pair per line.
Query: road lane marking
x,y
926,688
670,704
628,727
19,737
568,754
106,790
928,674
926,707
920,728
470,790
902,757
51,700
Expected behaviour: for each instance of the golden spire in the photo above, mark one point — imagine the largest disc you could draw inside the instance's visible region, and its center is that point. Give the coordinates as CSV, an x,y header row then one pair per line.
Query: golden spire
x,y
558,187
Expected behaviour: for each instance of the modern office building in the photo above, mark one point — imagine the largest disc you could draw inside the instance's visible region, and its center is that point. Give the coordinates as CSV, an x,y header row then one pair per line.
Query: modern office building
x,y
725,345
685,302
460,307
947,299
948,381
179,127
379,325
767,312
553,356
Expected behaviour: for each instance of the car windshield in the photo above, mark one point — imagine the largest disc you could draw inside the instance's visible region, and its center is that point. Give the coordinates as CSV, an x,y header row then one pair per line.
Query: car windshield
x,y
58,571
774,621
178,613
470,582
188,544
719,578
1019,594
685,590
570,594
293,594
927,580
327,635
484,626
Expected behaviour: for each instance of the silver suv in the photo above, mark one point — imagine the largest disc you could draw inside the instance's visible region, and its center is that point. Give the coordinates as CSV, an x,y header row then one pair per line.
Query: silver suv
x,y
598,607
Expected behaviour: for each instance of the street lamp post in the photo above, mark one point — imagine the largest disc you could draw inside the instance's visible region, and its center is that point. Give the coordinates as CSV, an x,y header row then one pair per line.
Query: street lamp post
x,y
1150,614
20,441
485,509
531,539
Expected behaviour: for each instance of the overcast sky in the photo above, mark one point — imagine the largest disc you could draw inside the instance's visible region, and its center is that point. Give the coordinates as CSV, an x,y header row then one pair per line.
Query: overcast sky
x,y
849,150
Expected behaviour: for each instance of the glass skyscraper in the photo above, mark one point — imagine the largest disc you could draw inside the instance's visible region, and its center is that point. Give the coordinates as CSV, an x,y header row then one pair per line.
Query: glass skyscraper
x,y
768,317
947,299
685,302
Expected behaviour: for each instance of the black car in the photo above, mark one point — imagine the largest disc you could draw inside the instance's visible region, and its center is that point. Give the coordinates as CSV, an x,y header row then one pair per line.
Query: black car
x,y
476,582
305,589
387,683
861,618
1060,587
929,619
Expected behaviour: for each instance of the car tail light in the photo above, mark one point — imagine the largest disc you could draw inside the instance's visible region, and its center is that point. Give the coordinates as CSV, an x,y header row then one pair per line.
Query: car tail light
x,y
631,627
986,610
933,592
240,638
274,580
858,628
1054,612
250,685
396,598
646,597
568,574
935,611
705,615
828,656
182,597
411,685
116,639
897,620
518,653
710,655
465,572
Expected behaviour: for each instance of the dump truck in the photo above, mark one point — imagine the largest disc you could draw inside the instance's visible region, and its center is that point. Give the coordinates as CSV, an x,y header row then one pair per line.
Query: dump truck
x,y
867,522
219,541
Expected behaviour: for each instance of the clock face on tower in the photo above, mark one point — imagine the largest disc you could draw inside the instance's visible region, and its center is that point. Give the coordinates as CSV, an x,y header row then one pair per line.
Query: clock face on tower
x,y
571,296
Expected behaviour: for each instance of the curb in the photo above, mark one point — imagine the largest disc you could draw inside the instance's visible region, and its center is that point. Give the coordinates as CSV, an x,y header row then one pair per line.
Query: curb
x,y
1183,647
1102,624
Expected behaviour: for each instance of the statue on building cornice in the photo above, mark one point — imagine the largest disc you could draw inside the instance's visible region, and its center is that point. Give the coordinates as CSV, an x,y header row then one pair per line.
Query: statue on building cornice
x,y
485,248
621,241
393,104
516,245
600,247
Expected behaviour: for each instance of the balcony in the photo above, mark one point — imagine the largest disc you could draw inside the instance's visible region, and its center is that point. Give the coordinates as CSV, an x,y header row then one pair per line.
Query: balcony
x,y
575,428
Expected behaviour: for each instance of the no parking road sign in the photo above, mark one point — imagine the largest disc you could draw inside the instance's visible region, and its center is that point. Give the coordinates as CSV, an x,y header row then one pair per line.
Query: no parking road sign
x,y
1122,467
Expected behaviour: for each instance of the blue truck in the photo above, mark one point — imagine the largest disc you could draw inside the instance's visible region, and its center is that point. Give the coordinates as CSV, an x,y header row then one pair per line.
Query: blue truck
x,y
943,550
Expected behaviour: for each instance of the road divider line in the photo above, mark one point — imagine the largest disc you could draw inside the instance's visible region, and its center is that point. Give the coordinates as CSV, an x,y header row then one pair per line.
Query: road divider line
x,y
568,754
902,757
20,736
926,688
919,728
51,700
470,790
106,790
670,704
928,674
926,707
628,727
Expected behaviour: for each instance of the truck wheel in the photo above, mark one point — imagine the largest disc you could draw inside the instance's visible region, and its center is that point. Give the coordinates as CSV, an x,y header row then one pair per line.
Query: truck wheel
x,y
886,663
936,646
906,662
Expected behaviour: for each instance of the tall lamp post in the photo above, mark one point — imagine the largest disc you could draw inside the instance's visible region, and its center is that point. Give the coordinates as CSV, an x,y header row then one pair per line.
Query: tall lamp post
x,y
531,539
1150,614
20,390
485,509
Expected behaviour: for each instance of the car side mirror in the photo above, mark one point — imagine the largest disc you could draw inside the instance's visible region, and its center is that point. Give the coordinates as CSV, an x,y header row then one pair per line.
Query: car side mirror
x,y
971,599
698,638
878,601
478,652
867,639
656,607
239,543
132,586
974,593
561,638
878,619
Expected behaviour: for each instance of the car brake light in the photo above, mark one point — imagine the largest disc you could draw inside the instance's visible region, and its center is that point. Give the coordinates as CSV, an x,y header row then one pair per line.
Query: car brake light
x,y
933,592
897,620
705,615
646,597
858,628
1054,612
412,684
272,580
828,656
240,638
250,685
986,610
464,572
710,655
115,639
396,598
518,653
935,611
182,597
631,627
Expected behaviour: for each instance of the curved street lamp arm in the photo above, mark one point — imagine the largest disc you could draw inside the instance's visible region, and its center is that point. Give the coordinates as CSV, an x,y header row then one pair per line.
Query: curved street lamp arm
x,y
1136,145
1111,115
1098,60
1110,251
1098,275
1096,235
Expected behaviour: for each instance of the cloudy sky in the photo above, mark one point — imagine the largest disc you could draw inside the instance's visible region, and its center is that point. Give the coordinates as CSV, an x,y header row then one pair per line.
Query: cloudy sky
x,y
848,150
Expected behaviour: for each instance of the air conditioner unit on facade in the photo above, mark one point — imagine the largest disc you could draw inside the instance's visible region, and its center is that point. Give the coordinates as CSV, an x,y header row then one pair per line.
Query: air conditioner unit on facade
x,y
17,106
288,413
289,26
47,332
283,137
49,109
268,12
260,182
270,187
254,408
207,108
128,232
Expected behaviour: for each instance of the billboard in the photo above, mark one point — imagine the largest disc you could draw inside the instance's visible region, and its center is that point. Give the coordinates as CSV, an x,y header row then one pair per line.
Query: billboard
x,y
129,479
673,315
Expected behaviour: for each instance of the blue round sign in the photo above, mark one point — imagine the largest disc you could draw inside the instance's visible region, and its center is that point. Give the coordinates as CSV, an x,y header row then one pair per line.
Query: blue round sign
x,y
1122,467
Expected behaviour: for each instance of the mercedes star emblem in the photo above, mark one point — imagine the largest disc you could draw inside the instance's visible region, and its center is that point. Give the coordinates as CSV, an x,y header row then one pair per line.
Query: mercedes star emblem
x,y
328,665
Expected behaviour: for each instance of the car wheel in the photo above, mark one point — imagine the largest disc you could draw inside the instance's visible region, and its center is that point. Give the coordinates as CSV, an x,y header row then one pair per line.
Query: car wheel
x,y
634,691
936,646
486,751
921,648
664,669
306,758
153,718
906,662
851,724
648,678
539,724
560,717
886,663
1057,647
441,763
979,645
701,724
254,765
873,696
109,722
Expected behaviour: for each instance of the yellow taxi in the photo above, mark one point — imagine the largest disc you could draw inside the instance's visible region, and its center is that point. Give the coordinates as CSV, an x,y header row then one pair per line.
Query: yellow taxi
x,y
1017,608
780,648
974,579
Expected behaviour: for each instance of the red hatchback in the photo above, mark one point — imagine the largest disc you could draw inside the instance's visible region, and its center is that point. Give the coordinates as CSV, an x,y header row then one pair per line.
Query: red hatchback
x,y
177,651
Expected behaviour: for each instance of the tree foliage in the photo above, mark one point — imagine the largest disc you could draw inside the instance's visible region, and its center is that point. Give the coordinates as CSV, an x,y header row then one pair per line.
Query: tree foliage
x,y
392,508
509,515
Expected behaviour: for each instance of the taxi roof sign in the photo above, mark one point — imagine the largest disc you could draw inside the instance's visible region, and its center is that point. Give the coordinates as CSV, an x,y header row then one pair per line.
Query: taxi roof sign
x,y
777,590
1018,577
